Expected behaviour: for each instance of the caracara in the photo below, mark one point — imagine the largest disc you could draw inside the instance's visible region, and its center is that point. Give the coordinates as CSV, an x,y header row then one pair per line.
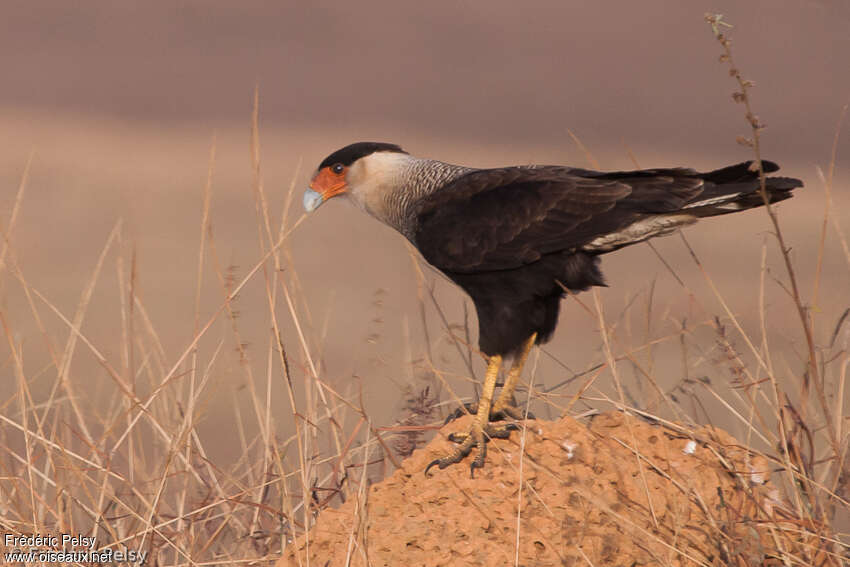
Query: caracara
x,y
516,238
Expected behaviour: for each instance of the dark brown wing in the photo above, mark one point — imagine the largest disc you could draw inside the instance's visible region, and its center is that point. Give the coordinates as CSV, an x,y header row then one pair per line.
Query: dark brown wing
x,y
498,219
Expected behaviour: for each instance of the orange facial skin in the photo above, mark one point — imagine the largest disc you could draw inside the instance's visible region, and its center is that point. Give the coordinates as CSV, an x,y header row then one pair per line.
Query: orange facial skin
x,y
329,184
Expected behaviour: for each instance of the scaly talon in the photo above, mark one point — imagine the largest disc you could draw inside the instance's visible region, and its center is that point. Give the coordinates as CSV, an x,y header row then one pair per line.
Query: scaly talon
x,y
485,411
474,438
458,438
490,432
470,408
501,432
512,412
496,414
466,441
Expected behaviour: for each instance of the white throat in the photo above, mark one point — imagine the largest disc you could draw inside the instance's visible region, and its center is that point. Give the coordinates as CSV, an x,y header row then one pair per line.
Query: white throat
x,y
389,185
376,182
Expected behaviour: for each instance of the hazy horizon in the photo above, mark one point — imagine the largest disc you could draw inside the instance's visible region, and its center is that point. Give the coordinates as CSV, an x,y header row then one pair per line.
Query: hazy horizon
x,y
119,104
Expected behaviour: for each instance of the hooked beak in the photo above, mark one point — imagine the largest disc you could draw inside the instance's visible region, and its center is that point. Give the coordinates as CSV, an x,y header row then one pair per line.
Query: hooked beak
x,y
324,185
312,200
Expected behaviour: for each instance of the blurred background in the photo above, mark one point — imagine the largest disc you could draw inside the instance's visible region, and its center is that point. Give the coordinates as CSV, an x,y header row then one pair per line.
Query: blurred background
x,y
118,105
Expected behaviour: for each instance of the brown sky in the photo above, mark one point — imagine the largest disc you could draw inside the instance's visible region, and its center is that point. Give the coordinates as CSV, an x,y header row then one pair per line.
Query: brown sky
x,y
119,102
644,71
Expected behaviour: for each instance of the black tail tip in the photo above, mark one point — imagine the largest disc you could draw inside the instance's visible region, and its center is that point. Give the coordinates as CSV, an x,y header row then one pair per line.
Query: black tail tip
x,y
740,172
783,183
767,166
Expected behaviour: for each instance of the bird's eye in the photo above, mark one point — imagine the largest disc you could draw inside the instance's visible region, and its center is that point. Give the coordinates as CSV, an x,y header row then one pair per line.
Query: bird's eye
x,y
337,168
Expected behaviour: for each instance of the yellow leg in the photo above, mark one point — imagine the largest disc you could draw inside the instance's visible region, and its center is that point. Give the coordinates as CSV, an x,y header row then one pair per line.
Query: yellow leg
x,y
486,400
505,403
480,425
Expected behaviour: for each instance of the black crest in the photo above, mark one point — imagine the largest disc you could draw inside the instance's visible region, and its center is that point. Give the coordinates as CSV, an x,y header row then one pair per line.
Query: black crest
x,y
351,153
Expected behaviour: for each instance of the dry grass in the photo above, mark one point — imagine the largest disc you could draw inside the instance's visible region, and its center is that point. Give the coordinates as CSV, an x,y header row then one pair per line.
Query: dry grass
x,y
134,471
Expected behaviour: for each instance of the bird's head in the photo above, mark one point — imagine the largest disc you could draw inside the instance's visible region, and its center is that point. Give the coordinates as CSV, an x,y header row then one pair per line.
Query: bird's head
x,y
354,170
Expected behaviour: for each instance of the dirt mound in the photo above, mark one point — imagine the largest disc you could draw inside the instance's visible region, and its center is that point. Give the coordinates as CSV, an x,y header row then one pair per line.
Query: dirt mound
x,y
615,491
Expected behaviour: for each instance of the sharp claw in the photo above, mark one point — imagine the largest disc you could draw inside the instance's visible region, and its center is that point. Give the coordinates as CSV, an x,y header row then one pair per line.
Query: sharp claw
x,y
478,461
431,464
476,439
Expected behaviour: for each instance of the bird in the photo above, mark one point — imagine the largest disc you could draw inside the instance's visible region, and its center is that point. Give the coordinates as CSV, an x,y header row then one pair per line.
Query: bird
x,y
517,239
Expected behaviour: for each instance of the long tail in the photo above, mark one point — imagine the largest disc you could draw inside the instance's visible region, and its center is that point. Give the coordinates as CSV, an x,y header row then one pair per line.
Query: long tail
x,y
723,191
737,188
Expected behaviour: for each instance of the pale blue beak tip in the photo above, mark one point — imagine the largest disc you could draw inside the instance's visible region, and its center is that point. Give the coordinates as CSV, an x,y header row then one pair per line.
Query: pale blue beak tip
x,y
312,200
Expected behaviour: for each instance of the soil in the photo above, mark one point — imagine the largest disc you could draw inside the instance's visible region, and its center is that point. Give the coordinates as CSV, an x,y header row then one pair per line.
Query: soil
x,y
691,498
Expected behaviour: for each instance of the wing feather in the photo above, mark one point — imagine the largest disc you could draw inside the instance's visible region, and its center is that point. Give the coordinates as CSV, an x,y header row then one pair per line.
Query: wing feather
x,y
498,219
